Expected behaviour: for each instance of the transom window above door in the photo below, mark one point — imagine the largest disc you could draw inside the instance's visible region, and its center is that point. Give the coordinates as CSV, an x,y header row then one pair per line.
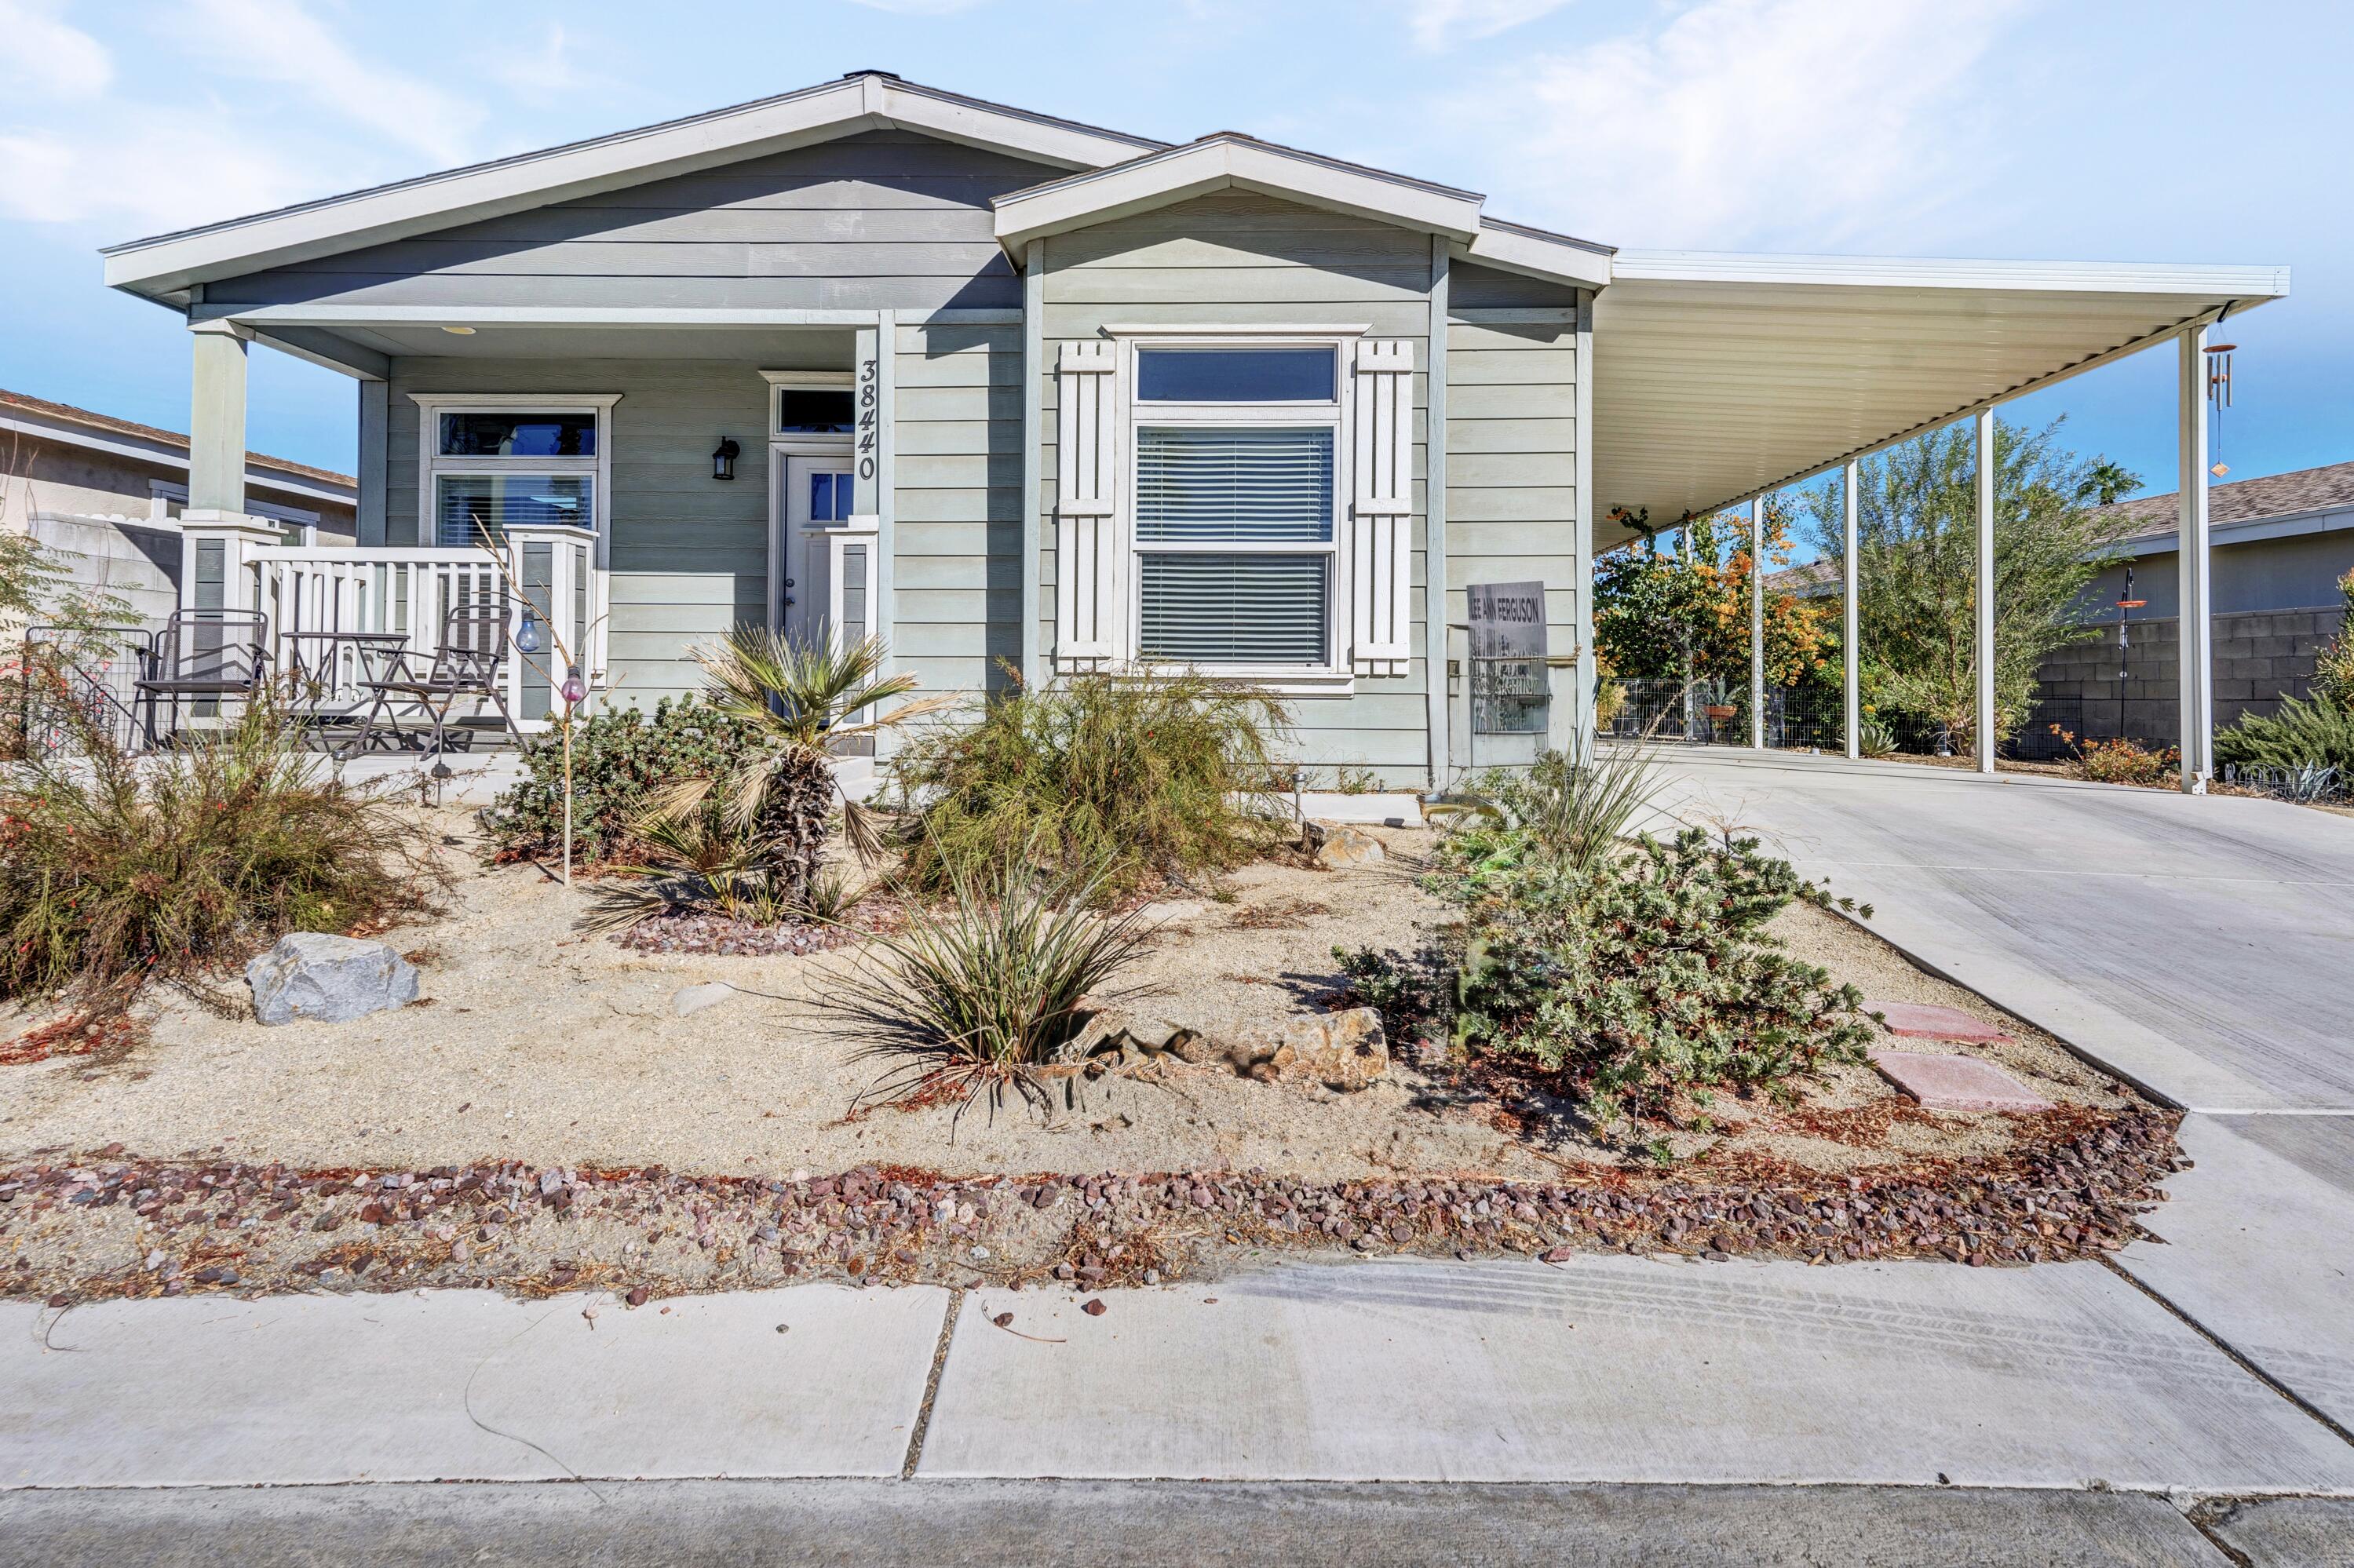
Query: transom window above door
x,y
490,463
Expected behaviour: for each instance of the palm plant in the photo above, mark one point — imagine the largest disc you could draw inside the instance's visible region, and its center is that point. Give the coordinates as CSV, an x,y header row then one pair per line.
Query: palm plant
x,y
801,699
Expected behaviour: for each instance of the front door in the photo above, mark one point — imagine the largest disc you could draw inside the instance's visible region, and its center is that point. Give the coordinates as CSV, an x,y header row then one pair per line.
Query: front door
x,y
818,494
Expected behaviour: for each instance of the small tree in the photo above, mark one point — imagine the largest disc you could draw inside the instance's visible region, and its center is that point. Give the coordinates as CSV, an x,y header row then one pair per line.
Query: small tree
x,y
1684,614
1917,518
2333,672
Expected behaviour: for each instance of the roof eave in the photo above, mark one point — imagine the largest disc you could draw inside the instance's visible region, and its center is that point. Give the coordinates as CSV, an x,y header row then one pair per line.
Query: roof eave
x,y
165,264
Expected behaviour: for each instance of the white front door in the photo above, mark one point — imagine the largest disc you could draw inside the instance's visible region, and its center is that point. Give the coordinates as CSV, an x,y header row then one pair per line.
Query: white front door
x,y
820,494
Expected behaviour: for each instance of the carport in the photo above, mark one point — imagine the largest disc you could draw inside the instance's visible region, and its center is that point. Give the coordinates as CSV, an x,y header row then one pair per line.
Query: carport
x,y
1723,379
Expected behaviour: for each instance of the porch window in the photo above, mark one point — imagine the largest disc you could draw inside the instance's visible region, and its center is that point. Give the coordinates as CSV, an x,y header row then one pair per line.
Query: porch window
x,y
492,463
1234,519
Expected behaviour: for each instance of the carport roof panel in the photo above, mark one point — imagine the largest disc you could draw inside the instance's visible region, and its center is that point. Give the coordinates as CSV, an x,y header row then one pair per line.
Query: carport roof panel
x,y
1720,376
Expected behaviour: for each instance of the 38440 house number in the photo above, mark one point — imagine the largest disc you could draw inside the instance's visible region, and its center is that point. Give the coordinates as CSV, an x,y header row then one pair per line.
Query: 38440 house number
x,y
869,396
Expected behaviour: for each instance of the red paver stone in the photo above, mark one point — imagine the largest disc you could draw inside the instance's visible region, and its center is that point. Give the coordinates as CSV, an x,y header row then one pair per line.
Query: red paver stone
x,y
1957,1083
1920,1020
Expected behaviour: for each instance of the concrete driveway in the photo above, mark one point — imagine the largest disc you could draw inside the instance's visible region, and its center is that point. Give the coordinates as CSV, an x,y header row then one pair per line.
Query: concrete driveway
x,y
2201,947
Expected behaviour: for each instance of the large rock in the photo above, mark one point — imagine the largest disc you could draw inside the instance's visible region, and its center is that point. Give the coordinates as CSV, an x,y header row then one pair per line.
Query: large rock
x,y
328,980
1337,844
1339,1050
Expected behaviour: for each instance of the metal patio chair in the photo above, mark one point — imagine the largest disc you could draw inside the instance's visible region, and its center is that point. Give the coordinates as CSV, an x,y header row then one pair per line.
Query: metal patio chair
x,y
468,665
204,656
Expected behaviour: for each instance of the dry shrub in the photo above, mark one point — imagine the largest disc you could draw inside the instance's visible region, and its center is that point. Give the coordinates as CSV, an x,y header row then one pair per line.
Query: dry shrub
x,y
1135,779
115,870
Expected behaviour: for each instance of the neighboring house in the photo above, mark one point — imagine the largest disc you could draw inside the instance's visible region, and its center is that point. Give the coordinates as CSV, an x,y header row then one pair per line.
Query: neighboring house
x,y
1021,395
106,494
2277,547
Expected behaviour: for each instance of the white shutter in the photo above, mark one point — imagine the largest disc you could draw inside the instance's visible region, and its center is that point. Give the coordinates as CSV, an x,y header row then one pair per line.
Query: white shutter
x,y
1380,508
1088,591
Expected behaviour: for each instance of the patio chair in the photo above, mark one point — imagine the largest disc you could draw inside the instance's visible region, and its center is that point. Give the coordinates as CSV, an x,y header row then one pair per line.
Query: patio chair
x,y
468,665
330,673
204,656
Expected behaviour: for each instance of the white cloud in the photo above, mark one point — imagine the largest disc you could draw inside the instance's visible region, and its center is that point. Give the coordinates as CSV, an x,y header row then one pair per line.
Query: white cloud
x,y
48,56
1801,124
148,170
279,41
545,73
1438,22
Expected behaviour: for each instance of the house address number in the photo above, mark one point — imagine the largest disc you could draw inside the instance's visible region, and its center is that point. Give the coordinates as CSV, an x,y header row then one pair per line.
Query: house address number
x,y
869,396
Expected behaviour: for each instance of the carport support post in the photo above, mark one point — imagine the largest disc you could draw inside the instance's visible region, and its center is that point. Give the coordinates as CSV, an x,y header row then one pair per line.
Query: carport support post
x,y
217,417
1982,650
1757,624
1851,630
2196,626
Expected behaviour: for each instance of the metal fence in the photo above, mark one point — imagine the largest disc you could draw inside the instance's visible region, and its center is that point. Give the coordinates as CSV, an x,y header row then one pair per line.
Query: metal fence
x,y
1813,717
72,681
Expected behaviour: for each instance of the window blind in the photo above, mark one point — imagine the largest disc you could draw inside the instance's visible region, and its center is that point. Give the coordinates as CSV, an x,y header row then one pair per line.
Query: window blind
x,y
1207,607
468,505
1234,486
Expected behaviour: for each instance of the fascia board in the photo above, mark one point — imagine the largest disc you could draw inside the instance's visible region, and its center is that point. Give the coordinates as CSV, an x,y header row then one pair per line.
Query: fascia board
x,y
1183,173
169,263
2226,281
1534,256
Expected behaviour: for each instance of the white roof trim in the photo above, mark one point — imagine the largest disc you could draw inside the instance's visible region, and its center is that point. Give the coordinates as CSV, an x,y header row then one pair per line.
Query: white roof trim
x,y
168,263
1908,272
1228,161
40,426
1557,257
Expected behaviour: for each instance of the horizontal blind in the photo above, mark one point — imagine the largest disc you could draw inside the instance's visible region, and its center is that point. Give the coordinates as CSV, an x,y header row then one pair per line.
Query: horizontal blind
x,y
1199,607
1234,486
468,506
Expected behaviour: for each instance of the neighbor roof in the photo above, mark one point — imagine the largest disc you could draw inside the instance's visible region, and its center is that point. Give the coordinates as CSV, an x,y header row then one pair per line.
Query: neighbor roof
x,y
44,411
2308,490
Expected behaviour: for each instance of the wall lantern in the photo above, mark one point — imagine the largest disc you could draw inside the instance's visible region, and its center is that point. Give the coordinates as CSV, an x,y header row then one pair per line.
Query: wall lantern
x,y
722,461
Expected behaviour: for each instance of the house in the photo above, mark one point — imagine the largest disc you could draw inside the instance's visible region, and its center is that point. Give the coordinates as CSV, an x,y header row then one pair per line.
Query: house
x,y
2278,547
1027,398
106,495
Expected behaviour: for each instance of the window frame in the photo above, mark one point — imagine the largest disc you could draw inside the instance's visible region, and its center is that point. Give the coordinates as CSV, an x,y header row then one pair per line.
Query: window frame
x,y
1334,674
432,467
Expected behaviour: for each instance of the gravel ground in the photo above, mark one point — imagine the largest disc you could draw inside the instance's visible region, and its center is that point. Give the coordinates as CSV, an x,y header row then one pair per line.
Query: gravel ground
x,y
106,1227
536,1043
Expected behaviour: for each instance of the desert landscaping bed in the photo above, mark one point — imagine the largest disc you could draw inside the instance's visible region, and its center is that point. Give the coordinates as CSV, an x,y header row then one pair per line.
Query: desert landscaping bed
x,y
565,1110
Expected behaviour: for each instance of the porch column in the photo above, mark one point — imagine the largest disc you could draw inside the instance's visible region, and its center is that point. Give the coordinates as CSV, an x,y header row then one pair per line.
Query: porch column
x,y
217,417
1757,624
2198,675
1850,628
1982,650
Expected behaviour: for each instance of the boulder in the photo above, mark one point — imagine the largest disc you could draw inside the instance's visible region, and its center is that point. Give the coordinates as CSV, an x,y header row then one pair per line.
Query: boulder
x,y
1337,844
689,1000
1343,1051
328,980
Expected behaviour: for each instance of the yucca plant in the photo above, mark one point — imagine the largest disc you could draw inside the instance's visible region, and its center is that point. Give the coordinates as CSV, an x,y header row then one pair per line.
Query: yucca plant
x,y
1573,812
800,700
977,996
694,862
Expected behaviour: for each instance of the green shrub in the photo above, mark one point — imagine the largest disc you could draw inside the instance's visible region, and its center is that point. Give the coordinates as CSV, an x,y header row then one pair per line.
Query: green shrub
x,y
979,994
1637,978
2316,733
620,758
1129,779
1572,812
2125,761
114,872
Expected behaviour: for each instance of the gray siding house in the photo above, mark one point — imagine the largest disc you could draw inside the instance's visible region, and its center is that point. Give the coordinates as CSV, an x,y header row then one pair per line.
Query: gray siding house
x,y
1026,398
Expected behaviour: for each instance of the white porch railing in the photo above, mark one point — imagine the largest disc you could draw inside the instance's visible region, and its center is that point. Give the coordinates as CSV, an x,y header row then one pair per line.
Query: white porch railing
x,y
230,562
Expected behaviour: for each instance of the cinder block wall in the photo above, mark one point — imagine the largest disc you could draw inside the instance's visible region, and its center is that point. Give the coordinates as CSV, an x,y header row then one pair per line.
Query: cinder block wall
x,y
2261,656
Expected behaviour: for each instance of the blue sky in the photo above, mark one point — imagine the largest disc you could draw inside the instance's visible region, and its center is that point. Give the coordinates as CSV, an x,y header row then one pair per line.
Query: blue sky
x,y
2153,130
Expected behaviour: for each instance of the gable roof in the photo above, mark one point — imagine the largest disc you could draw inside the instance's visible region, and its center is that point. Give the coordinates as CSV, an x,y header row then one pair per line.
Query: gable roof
x,y
1230,160
165,266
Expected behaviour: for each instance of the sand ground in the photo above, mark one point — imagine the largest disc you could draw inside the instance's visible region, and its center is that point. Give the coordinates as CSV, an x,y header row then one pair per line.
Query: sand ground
x,y
538,1042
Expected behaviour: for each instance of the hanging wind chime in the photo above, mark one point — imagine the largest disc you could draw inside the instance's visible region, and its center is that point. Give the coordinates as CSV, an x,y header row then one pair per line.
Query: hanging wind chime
x,y
2218,397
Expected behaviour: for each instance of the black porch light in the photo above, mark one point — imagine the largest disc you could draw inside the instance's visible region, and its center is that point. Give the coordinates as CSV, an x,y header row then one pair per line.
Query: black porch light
x,y
722,460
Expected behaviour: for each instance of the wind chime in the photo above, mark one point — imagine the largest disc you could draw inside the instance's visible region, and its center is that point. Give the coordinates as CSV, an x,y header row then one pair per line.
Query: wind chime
x,y
2218,397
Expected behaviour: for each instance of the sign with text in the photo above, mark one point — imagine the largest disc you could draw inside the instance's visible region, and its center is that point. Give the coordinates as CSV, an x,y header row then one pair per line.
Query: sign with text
x,y
1508,685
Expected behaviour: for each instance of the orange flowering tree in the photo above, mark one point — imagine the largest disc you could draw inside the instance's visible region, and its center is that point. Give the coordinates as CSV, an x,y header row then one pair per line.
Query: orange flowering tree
x,y
1683,613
